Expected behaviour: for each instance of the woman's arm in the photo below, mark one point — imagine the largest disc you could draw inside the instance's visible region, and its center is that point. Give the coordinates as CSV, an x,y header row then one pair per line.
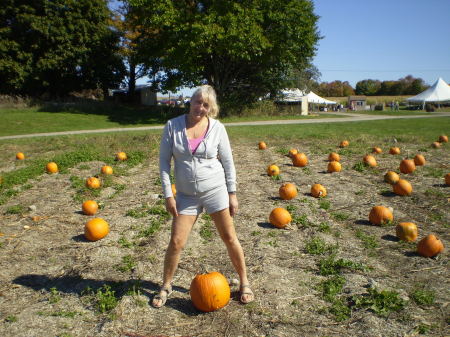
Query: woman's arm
x,y
226,158
165,157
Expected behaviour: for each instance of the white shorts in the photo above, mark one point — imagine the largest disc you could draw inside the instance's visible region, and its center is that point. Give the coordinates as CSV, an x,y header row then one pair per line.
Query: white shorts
x,y
212,201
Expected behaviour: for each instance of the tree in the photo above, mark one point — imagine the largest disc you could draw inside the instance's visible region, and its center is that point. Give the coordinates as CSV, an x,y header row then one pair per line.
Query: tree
x,y
124,22
335,89
367,87
56,46
245,49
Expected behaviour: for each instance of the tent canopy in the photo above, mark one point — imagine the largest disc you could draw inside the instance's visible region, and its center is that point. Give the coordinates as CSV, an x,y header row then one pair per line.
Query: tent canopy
x,y
438,92
296,95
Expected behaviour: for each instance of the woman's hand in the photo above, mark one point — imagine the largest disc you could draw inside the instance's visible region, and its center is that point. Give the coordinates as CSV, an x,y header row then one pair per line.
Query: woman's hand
x,y
234,205
171,206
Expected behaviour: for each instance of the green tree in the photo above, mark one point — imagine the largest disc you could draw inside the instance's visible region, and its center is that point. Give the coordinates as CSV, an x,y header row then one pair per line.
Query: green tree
x,y
245,49
368,87
57,46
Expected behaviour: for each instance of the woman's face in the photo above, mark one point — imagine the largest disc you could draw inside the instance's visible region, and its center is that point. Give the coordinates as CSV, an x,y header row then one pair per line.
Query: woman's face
x,y
199,107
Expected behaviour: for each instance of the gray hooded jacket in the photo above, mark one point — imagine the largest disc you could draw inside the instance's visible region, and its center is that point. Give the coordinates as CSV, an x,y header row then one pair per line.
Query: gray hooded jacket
x,y
209,167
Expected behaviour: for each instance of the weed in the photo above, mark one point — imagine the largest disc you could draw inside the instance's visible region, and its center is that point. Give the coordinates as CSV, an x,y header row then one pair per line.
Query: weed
x,y
135,291
330,287
436,216
324,227
283,151
125,243
16,209
340,310
62,313
317,246
424,329
381,303
255,233
272,243
83,167
359,166
159,210
301,221
433,172
291,208
55,296
339,216
206,232
423,296
306,171
276,178
434,193
331,266
324,204
152,258
137,212
151,229
127,265
369,242
105,299
11,319
360,192
272,234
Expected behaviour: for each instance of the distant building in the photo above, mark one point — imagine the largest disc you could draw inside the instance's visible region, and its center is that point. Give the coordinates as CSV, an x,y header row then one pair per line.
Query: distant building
x,y
357,102
143,94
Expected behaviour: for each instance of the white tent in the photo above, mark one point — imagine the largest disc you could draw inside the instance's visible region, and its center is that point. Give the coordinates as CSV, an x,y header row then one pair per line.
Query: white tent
x,y
291,95
313,98
438,92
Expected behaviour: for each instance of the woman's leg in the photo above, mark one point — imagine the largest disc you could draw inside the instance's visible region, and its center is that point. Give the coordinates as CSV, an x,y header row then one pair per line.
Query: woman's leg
x,y
224,224
181,227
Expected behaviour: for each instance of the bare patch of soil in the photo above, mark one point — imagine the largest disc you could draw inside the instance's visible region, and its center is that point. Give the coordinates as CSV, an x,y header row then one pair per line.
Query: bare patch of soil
x,y
52,280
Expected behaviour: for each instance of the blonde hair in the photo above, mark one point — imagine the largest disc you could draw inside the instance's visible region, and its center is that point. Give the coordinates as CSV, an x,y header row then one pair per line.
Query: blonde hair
x,y
208,93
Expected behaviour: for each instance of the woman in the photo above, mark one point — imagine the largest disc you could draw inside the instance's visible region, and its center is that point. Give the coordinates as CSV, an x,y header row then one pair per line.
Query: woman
x,y
205,179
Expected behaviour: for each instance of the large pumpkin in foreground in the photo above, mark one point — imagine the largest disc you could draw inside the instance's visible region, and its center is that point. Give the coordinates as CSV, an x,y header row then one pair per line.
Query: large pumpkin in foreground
x,y
96,229
210,291
430,246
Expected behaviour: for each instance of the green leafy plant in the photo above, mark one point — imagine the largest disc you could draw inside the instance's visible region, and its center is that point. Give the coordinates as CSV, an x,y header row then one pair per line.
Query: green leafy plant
x,y
331,266
317,246
423,296
55,296
381,303
16,209
331,287
127,265
369,241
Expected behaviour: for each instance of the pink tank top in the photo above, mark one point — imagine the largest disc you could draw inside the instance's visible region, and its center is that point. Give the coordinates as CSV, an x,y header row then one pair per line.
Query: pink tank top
x,y
194,143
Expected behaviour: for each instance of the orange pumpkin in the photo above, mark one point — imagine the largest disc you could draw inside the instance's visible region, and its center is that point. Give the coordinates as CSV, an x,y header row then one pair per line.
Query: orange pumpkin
x,y
96,229
380,215
287,191
292,152
407,166
121,156
334,166
391,177
402,187
280,217
447,179
406,231
344,143
89,207
107,169
419,160
299,159
394,150
318,191
369,160
93,182
273,170
174,189
51,167
333,156
262,145
20,156
436,145
430,246
210,291
377,150
443,139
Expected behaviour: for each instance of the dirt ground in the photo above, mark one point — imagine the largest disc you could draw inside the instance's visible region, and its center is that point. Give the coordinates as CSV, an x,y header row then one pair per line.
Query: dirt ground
x,y
52,279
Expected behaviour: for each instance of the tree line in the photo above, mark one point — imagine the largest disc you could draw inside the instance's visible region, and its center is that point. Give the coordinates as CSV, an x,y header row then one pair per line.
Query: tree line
x,y
244,49
408,85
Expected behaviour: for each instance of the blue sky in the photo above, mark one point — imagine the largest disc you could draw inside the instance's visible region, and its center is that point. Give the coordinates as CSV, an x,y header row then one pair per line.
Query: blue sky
x,y
382,40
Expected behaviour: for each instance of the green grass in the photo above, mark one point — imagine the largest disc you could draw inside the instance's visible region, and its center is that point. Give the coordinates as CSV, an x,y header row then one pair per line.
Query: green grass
x,y
382,303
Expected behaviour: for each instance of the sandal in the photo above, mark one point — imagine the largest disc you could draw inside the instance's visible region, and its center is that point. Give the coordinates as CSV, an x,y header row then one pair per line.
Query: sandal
x,y
245,290
163,295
